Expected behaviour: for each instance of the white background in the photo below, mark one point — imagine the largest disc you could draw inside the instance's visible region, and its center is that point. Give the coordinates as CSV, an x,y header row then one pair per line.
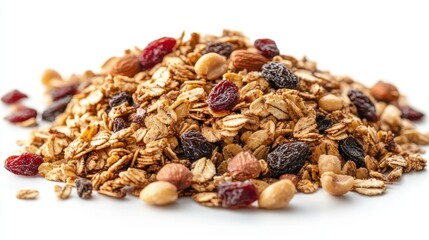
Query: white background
x,y
368,40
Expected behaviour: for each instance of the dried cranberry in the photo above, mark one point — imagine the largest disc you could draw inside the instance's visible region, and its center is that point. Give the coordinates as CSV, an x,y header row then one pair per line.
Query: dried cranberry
x,y
224,96
365,107
60,92
120,98
156,51
351,149
287,158
411,113
237,194
195,146
224,49
119,124
279,76
56,108
323,124
13,96
26,164
21,114
267,47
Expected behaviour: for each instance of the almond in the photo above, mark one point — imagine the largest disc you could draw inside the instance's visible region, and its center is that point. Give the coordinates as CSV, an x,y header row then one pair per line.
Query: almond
x,y
243,59
244,166
177,174
385,92
128,66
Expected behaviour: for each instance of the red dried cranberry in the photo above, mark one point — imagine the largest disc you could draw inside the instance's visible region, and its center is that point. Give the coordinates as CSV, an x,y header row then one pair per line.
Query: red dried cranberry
x,y
21,114
58,93
56,108
237,194
13,96
156,51
224,96
411,113
267,47
26,164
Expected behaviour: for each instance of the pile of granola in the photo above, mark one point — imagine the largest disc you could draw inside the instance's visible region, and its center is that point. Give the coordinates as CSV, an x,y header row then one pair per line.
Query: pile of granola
x,y
227,122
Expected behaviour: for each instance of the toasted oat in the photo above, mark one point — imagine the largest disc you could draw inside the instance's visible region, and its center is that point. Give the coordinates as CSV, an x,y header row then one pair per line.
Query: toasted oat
x,y
27,194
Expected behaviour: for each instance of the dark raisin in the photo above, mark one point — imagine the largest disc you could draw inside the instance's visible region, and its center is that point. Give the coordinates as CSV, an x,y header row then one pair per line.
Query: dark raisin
x,y
351,149
221,48
411,113
287,158
84,188
21,114
366,108
58,93
224,96
156,51
323,124
279,76
139,116
195,146
119,124
56,108
26,164
120,98
237,194
267,47
13,96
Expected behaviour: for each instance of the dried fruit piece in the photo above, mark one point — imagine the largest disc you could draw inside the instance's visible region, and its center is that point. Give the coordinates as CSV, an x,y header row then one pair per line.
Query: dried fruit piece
x,y
26,164
279,76
237,194
195,146
120,98
224,49
267,47
224,96
156,51
13,96
351,149
287,158
119,124
21,114
323,124
411,113
56,108
84,188
365,107
58,93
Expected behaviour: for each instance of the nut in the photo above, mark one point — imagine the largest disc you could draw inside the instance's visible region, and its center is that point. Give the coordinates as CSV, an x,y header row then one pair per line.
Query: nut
x,y
211,66
128,66
392,116
27,194
51,78
336,184
292,177
63,192
277,195
385,92
243,59
331,103
329,163
159,193
244,166
177,174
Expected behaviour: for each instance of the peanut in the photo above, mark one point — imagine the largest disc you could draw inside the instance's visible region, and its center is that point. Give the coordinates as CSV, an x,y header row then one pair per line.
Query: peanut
x,y
211,66
331,103
336,184
159,193
329,163
277,195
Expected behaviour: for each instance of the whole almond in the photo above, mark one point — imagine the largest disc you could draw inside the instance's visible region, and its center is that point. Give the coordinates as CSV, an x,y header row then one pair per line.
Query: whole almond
x,y
243,59
128,66
385,92
177,174
244,166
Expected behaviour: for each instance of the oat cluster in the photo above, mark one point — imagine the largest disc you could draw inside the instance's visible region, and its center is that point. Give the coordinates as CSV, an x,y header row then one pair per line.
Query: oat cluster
x,y
280,125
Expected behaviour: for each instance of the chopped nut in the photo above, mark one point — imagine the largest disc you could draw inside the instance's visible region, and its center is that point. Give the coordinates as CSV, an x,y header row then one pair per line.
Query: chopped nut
x,y
27,194
159,193
277,195
329,163
336,184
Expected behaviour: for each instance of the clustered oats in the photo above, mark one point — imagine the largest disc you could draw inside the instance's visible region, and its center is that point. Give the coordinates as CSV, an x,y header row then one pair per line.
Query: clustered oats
x,y
216,118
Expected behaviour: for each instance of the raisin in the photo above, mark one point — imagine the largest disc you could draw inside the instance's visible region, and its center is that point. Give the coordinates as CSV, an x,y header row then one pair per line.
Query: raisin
x,y
195,146
139,116
119,124
156,51
279,76
224,49
351,149
365,107
323,124
84,188
287,158
267,47
120,98
26,164
13,96
56,108
21,114
61,92
411,113
224,96
237,194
